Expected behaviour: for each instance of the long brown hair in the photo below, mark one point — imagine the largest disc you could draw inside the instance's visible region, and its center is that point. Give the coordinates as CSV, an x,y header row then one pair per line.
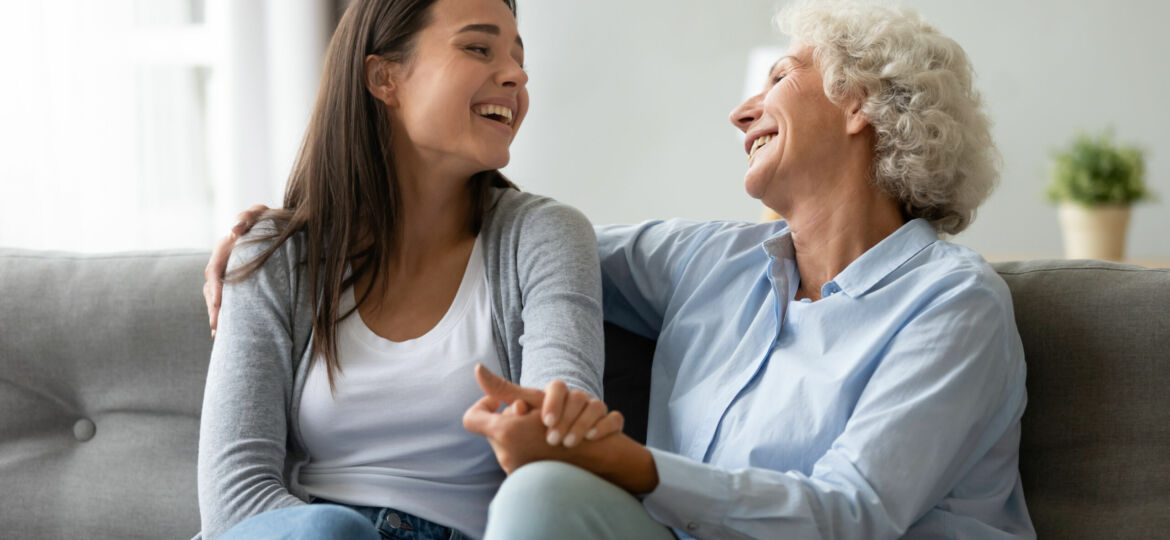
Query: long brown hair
x,y
343,191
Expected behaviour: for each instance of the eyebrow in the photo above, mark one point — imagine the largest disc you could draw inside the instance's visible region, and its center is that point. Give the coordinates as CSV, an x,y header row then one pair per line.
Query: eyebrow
x,y
487,29
792,60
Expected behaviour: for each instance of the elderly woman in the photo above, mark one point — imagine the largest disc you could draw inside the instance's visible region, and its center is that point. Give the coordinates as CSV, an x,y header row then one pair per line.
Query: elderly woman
x,y
841,374
844,373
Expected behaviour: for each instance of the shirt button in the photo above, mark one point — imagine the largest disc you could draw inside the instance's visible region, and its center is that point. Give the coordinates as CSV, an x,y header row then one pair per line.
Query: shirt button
x,y
692,526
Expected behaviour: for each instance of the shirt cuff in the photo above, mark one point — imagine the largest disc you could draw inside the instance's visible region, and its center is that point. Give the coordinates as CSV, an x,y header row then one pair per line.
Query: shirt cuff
x,y
691,497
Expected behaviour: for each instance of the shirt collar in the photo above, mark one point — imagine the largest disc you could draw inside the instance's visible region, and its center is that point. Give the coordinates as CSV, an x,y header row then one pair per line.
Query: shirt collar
x,y
782,268
888,255
779,246
872,266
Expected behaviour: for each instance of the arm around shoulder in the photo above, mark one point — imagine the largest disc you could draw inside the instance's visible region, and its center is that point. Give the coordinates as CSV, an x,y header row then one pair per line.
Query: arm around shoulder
x,y
641,268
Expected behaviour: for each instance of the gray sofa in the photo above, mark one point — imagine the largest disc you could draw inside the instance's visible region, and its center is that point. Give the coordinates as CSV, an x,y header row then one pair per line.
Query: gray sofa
x,y
102,361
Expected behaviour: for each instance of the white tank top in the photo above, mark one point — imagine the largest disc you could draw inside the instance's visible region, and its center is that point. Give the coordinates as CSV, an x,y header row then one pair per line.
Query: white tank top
x,y
392,434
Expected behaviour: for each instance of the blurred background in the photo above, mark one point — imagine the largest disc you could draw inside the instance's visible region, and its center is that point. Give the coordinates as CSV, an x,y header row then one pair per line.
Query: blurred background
x,y
147,124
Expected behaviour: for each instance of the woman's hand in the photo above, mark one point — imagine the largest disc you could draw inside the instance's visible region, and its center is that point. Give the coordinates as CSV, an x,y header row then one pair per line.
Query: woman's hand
x,y
571,416
213,273
517,436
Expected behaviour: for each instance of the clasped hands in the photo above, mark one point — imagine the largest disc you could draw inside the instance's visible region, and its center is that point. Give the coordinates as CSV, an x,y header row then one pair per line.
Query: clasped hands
x,y
554,423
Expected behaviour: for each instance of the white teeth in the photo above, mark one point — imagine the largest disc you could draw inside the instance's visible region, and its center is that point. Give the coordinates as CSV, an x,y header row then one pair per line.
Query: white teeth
x,y
759,143
504,113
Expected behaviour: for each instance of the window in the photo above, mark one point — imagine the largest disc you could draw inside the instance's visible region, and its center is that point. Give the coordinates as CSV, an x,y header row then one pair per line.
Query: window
x,y
147,124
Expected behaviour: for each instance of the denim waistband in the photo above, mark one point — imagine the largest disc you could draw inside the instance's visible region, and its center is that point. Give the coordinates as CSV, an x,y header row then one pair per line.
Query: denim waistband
x,y
393,523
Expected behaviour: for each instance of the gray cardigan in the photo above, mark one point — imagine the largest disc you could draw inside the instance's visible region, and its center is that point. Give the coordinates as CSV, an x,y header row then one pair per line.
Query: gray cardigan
x,y
541,262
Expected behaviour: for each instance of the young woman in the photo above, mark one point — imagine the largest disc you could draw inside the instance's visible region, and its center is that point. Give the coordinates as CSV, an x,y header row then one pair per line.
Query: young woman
x,y
402,258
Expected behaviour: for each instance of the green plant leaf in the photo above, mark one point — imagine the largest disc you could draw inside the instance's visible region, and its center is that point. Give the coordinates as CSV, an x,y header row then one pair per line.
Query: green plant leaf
x,y
1095,170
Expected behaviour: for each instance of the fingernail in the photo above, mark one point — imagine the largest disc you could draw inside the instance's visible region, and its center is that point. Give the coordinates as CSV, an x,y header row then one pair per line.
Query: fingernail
x,y
213,334
549,420
554,437
591,434
239,225
570,440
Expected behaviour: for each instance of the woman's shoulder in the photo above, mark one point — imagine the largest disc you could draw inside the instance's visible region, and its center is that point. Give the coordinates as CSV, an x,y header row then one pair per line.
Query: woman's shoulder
x,y
744,234
265,238
519,221
955,269
512,207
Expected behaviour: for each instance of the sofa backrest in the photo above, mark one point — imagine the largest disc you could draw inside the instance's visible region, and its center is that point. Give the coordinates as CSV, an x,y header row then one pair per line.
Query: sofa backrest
x,y
102,362
1095,452
103,358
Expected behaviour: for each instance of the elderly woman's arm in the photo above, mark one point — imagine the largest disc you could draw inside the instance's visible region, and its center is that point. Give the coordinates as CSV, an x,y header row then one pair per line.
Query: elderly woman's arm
x,y
642,266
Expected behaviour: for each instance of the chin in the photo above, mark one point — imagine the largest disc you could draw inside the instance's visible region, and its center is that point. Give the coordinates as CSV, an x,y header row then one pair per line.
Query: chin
x,y
497,159
755,187
498,163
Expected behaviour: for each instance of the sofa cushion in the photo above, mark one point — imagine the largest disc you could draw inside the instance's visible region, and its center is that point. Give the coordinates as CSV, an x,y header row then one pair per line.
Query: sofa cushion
x,y
102,362
1095,453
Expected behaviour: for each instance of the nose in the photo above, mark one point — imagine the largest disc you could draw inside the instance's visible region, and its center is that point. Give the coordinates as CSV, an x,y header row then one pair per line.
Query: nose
x,y
747,113
512,74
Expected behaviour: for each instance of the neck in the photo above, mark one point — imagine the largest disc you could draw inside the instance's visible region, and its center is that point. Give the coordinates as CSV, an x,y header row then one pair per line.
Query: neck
x,y
436,209
828,237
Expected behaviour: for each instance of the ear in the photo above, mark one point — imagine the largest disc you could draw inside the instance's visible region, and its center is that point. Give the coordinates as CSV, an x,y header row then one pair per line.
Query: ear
x,y
855,120
379,80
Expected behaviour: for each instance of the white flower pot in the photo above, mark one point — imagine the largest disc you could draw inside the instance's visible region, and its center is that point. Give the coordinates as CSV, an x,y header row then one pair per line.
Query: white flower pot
x,y
1094,232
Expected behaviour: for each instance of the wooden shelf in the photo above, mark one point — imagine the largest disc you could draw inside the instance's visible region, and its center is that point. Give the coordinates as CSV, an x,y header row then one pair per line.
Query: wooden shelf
x,y
1148,263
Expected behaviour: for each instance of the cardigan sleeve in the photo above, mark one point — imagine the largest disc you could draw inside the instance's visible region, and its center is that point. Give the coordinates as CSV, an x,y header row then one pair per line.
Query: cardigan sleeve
x,y
244,426
560,290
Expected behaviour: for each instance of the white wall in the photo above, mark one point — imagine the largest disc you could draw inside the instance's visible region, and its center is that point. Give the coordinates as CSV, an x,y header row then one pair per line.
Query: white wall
x,y
630,100
631,97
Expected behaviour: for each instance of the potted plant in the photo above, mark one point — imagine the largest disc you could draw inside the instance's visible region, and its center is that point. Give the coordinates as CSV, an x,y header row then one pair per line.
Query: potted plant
x,y
1094,182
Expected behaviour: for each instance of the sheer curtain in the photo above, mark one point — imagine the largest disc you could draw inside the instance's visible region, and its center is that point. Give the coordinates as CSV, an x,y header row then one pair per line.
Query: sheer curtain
x,y
147,124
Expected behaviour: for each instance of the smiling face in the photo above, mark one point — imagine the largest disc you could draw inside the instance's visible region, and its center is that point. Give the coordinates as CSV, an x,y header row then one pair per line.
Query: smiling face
x,y
458,102
793,133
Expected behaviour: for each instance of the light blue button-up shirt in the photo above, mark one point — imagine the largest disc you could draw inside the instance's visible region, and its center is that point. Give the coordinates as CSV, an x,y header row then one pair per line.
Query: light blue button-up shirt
x,y
889,408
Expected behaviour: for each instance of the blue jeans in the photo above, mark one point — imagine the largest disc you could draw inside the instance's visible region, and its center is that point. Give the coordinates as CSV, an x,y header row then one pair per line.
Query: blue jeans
x,y
327,520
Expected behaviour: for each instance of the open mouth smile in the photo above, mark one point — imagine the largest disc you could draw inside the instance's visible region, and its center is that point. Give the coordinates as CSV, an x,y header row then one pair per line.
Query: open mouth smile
x,y
497,113
759,143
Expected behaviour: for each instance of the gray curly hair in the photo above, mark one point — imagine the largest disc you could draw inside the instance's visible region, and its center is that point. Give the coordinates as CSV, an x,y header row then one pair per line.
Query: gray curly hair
x,y
935,154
